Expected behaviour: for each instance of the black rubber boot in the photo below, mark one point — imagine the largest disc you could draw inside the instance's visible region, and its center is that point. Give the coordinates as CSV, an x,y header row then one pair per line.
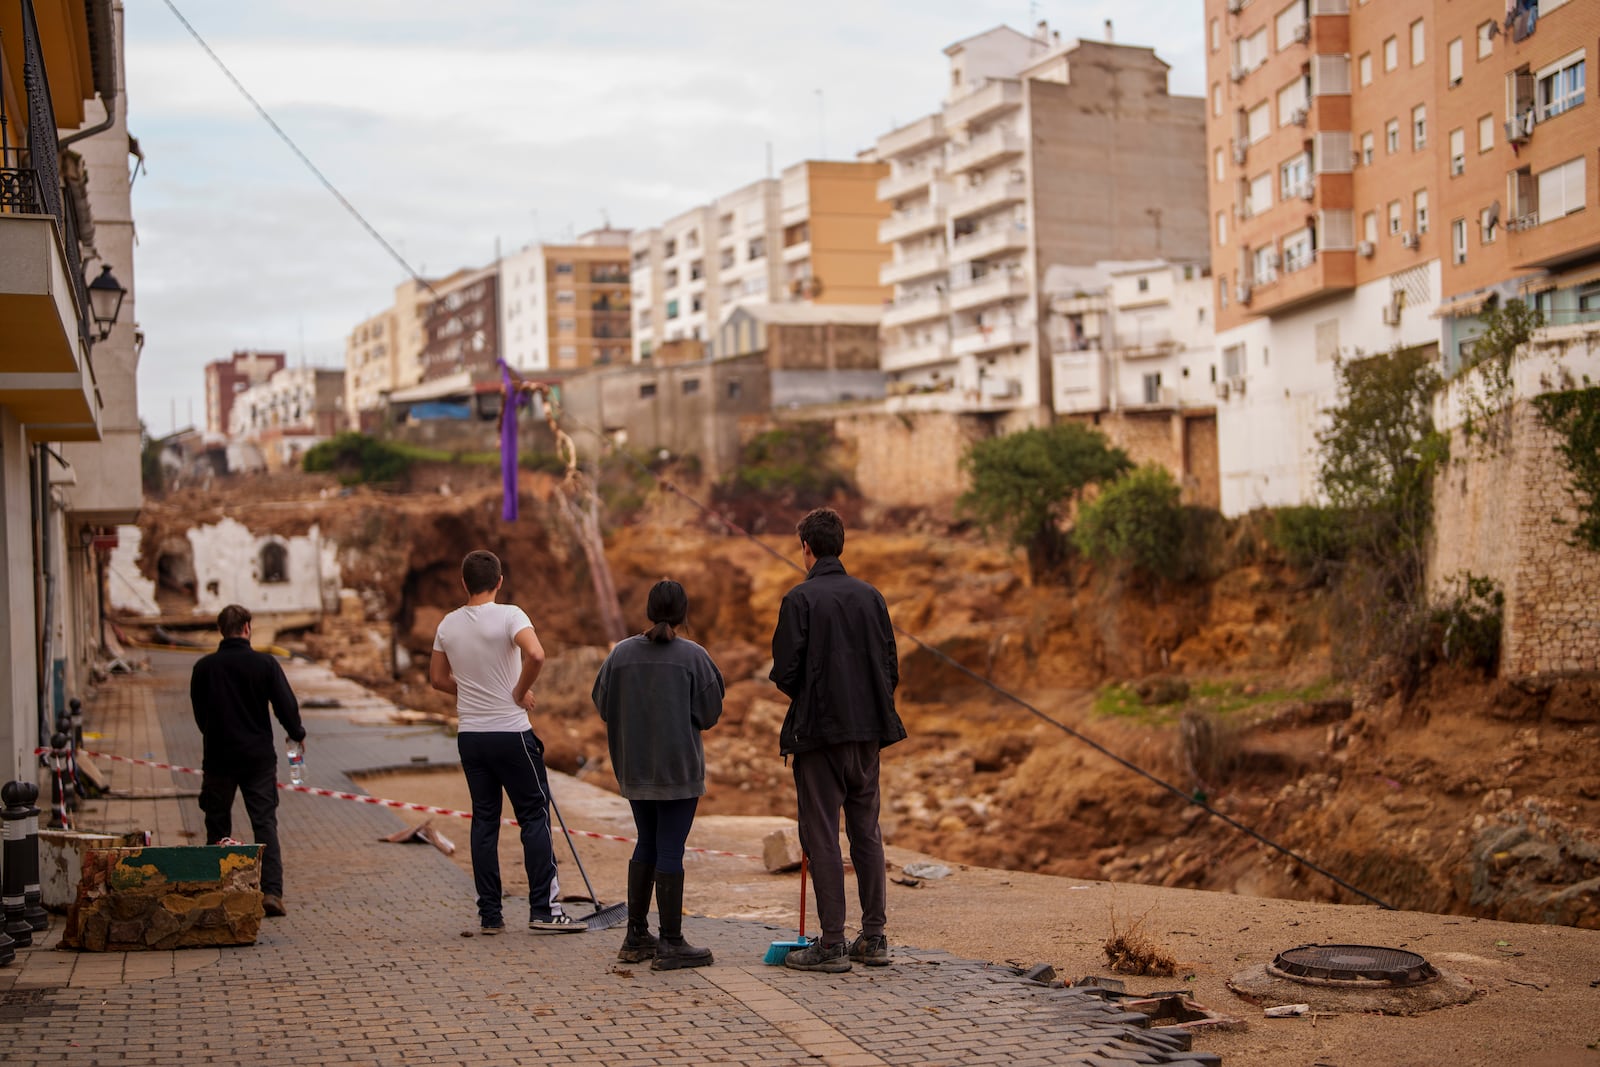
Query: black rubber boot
x,y
672,951
639,945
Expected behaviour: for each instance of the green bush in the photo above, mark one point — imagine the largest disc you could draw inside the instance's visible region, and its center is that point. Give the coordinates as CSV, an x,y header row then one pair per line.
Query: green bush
x,y
789,460
1136,520
1311,538
354,458
1467,624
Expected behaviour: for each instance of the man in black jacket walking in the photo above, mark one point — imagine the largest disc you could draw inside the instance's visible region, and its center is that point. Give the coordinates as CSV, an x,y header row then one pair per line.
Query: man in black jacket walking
x,y
230,690
834,656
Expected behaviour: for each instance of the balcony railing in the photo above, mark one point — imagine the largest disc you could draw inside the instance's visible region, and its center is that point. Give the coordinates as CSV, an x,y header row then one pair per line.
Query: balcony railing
x,y
905,224
996,144
30,175
916,265
994,97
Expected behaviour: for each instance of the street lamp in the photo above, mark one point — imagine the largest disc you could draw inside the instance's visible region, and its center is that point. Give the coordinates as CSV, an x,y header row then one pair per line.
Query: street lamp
x,y
105,301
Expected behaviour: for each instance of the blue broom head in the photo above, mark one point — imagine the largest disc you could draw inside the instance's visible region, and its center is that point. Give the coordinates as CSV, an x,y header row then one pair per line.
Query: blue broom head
x,y
779,951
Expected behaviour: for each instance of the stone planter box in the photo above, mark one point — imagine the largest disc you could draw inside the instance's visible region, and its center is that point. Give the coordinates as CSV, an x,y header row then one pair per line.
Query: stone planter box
x,y
165,898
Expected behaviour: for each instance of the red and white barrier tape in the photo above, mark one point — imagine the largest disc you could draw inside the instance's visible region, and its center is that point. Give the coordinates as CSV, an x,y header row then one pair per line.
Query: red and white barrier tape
x,y
363,798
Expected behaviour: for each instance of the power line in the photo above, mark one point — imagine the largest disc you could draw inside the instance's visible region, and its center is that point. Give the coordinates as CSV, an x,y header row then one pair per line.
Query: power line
x,y
1188,798
323,178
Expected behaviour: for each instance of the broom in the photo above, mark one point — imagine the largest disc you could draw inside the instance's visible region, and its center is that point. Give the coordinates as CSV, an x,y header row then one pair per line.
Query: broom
x,y
605,916
779,951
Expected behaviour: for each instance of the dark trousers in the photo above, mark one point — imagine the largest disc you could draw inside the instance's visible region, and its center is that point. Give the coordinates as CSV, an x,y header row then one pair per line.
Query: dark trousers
x,y
513,762
663,827
825,780
257,782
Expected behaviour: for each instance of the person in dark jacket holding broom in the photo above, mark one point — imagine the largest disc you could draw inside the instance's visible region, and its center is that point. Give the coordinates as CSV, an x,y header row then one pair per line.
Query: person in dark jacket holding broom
x,y
656,693
834,657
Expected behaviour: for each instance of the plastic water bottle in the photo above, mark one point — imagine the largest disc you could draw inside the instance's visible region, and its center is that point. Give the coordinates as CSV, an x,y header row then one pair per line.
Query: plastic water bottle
x,y
297,763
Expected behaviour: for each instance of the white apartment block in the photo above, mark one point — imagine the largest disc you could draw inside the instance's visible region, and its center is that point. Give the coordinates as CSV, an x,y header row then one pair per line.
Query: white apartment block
x,y
369,364
1043,155
1130,337
524,319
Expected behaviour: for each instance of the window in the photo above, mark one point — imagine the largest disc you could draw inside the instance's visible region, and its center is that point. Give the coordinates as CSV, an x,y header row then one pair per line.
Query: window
x,y
1265,264
1219,165
1233,365
1299,251
1391,54
1369,227
1292,102
1258,123
1486,32
1559,87
697,270
274,563
1487,224
1458,241
1391,136
1216,99
697,302
1458,152
1290,25
566,325
1364,66
1419,209
1250,52
1419,50
690,386
1216,34
672,278
1260,195
1419,128
567,355
1453,58
566,296
1152,388
757,248
1366,149
647,390
670,249
1485,133
729,258
563,268
1144,284
1294,177
1222,292
735,389
672,309
1394,217
1222,227
1561,190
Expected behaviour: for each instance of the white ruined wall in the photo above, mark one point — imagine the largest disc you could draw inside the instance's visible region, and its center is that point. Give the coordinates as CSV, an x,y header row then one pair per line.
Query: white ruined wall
x,y
126,588
227,568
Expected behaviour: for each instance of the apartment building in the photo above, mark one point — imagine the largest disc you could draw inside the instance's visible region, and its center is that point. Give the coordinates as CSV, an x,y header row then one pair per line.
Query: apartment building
x,y
227,378
564,308
808,235
369,366
287,414
461,324
69,352
1043,155
1378,171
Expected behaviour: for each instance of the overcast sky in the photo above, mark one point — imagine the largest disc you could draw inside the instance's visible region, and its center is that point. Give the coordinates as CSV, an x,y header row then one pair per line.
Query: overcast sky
x,y
454,126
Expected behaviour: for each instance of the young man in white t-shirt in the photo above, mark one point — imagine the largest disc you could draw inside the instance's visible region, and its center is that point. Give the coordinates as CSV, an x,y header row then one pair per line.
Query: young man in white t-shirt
x,y
487,656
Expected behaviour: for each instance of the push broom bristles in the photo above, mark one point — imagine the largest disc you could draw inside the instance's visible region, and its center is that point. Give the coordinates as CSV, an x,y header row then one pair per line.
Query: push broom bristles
x,y
779,951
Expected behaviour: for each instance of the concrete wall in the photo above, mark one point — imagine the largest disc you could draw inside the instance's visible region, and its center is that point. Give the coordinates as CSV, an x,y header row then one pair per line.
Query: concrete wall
x,y
227,567
910,459
19,731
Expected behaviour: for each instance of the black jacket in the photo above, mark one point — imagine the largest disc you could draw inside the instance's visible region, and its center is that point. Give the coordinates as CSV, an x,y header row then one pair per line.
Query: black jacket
x,y
834,657
230,690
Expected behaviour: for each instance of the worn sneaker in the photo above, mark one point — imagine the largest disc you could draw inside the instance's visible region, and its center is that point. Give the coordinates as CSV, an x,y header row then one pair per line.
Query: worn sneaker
x,y
491,931
558,924
870,950
834,959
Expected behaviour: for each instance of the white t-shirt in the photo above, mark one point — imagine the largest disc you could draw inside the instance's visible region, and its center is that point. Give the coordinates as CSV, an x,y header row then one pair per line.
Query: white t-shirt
x,y
480,643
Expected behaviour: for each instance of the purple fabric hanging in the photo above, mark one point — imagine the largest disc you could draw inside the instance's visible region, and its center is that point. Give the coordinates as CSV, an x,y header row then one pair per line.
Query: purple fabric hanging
x,y
508,446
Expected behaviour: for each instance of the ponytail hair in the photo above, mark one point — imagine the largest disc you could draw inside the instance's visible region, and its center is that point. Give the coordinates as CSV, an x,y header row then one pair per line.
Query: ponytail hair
x,y
667,607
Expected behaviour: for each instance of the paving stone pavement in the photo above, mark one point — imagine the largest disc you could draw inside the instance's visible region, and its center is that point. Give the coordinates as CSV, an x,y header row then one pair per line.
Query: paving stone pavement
x,y
371,966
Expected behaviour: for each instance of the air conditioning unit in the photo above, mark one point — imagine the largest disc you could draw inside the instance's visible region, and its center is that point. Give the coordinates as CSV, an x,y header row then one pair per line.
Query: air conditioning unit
x,y
1238,72
1302,32
1458,166
1300,116
1408,239
1391,314
1366,248
1520,127
1240,151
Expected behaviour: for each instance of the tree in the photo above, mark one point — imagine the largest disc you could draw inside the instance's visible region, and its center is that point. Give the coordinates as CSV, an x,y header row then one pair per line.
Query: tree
x,y
149,460
1138,520
1023,486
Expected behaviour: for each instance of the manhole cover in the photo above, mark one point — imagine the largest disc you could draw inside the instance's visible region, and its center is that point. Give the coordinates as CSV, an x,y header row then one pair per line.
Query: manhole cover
x,y
1349,963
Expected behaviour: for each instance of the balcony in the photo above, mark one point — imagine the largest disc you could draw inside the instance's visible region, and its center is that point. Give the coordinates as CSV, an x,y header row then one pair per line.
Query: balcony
x,y
906,182
919,308
990,289
1314,276
797,251
977,339
926,131
44,306
989,195
998,96
985,149
892,358
917,265
903,224
990,242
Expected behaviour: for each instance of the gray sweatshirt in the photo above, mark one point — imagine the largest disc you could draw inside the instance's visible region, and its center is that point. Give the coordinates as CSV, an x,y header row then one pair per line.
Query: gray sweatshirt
x,y
655,698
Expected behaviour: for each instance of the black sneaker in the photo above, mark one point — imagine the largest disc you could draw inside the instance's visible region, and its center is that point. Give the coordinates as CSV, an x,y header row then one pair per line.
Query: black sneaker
x,y
834,959
558,924
872,951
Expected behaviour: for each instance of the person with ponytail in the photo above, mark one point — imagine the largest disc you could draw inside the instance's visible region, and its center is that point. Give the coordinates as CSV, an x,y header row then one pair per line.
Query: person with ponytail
x,y
656,693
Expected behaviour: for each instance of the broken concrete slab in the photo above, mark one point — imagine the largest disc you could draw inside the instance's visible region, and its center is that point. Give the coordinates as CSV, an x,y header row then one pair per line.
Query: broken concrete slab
x,y
166,898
